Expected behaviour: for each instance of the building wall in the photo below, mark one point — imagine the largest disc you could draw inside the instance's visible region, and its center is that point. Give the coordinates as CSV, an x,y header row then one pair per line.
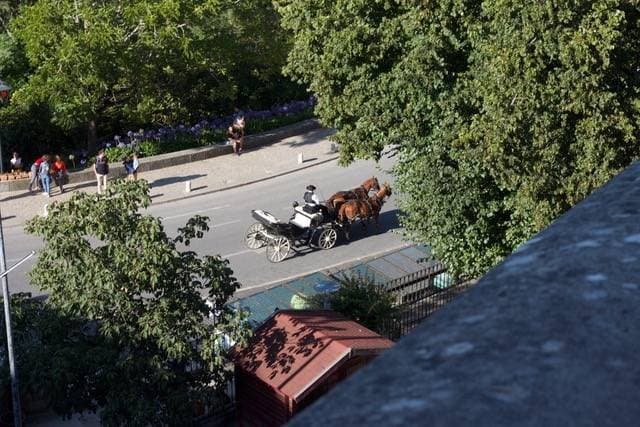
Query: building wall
x,y
351,366
257,404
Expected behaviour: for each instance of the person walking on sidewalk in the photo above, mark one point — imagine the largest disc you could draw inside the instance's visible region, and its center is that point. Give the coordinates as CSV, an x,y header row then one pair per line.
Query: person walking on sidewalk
x,y
101,169
35,172
44,172
59,172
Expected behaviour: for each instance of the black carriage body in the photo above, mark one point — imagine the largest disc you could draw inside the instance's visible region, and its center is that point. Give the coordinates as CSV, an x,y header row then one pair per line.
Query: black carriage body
x,y
279,237
277,228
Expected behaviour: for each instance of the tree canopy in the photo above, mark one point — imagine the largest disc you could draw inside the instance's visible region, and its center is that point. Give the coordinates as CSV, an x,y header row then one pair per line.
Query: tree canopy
x,y
504,113
151,355
97,65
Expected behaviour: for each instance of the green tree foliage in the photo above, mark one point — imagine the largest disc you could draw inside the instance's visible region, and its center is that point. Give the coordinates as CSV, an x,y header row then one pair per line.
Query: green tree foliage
x,y
13,63
151,355
146,61
362,300
504,113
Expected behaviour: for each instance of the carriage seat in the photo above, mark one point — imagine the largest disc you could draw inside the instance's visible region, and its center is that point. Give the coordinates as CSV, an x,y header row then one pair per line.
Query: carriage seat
x,y
304,219
311,209
264,216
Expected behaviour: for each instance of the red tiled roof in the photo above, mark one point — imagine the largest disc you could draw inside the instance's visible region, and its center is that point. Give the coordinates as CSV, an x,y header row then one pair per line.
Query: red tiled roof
x,y
294,348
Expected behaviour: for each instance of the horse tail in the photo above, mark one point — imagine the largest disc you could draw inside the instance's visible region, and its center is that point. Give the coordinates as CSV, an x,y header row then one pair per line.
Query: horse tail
x,y
344,214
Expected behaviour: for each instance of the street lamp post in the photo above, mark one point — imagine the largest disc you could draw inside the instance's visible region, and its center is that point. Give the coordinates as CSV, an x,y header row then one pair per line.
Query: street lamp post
x,y
6,297
5,90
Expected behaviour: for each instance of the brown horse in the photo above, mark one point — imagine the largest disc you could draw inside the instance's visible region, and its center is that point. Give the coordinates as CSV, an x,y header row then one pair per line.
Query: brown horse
x,y
334,202
363,209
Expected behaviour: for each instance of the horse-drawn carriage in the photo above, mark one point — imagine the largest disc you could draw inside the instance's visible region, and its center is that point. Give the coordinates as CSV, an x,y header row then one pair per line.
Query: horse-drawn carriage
x,y
317,228
305,228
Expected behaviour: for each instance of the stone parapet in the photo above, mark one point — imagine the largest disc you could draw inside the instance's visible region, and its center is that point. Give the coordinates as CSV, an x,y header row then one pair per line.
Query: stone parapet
x,y
550,337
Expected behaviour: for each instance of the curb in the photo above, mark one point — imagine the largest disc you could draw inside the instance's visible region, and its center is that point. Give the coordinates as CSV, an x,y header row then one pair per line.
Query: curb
x,y
243,184
330,271
231,187
181,157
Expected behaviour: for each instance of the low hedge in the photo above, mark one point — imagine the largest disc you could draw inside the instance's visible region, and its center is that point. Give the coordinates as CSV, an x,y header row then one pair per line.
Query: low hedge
x,y
207,137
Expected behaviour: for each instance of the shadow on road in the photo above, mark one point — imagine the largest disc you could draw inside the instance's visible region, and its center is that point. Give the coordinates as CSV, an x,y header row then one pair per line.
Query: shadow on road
x,y
174,179
80,185
311,138
387,221
18,196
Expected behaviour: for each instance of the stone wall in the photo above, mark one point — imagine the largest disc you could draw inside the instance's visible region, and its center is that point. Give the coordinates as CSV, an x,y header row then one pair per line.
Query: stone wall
x,y
116,169
550,337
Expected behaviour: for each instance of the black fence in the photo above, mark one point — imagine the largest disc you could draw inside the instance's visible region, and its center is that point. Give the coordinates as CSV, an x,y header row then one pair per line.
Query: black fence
x,y
418,295
223,411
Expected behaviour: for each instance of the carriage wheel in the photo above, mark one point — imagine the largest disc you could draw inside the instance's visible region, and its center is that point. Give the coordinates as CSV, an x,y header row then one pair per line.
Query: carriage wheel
x,y
278,249
328,238
254,238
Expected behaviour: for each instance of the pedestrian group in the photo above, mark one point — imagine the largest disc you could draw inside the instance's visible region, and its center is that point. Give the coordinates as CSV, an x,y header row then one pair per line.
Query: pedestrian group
x,y
44,169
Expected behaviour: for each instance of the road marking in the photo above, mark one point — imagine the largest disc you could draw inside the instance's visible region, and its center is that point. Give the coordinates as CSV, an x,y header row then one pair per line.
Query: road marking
x,y
222,224
11,261
196,212
246,251
329,267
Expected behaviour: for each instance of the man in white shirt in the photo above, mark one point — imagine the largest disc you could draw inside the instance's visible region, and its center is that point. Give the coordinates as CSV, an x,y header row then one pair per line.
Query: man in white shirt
x,y
16,163
310,197
314,204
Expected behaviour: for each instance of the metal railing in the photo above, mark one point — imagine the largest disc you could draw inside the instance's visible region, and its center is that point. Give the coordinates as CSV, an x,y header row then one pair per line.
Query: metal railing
x,y
222,412
418,295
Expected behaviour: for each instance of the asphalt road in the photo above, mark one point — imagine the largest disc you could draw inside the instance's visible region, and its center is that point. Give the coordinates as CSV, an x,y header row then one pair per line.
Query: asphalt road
x,y
230,212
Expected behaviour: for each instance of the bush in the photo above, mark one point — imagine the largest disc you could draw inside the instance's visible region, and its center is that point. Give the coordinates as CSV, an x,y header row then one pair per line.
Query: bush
x,y
115,154
204,138
276,122
359,298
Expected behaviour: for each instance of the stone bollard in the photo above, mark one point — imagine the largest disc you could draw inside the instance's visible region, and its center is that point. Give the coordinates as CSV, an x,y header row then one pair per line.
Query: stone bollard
x,y
300,158
46,210
187,187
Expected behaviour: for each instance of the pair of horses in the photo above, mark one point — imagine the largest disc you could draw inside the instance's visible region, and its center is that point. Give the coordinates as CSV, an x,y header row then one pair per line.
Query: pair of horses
x,y
348,206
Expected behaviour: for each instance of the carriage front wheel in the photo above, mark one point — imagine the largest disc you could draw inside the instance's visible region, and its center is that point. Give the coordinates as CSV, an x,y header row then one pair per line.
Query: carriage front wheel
x,y
328,238
254,237
278,249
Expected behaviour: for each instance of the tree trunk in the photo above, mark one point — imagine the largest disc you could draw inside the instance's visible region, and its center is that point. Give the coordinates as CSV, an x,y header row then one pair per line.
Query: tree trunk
x,y
92,137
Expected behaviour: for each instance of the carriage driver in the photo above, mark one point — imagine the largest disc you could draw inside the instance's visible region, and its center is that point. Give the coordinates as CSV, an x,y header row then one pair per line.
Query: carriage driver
x,y
313,203
311,198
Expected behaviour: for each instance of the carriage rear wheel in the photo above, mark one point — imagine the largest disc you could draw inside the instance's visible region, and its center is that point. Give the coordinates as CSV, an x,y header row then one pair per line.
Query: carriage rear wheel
x,y
254,237
278,249
328,238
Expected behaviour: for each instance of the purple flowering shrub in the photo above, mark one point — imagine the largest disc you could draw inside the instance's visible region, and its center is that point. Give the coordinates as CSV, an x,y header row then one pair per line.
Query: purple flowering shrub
x,y
206,132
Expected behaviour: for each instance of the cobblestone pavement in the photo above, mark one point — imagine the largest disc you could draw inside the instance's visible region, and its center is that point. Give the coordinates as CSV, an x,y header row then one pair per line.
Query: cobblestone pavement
x,y
205,176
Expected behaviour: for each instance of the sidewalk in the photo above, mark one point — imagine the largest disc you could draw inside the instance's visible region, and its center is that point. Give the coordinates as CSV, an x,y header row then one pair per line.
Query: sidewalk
x,y
206,176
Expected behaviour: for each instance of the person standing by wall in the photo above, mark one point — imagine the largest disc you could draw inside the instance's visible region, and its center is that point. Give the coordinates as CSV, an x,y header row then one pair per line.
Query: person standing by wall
x,y
44,173
101,169
235,132
131,166
35,171
59,172
16,163
135,163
